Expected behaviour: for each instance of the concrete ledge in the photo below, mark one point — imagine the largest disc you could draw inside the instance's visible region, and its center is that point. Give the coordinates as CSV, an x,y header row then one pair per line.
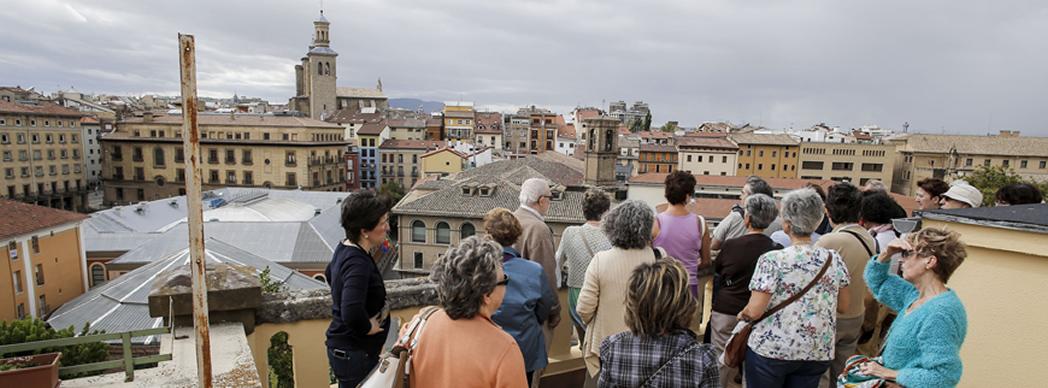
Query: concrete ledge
x,y
294,306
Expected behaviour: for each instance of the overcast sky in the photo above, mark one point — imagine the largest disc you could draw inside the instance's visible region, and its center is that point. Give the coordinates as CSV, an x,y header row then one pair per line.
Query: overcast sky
x,y
941,65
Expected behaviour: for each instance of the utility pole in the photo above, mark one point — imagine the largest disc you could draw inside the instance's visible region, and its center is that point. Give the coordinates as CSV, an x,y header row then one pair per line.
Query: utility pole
x,y
191,145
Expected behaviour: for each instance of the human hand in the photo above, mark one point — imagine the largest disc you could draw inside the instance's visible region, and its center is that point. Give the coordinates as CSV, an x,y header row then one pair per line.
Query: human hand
x,y
874,369
375,326
896,246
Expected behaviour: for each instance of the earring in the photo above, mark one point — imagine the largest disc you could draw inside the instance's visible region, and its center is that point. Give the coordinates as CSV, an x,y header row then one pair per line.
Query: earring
x,y
365,236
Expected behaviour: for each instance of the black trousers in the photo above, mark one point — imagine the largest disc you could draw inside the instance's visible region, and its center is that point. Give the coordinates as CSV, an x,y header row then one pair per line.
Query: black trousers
x,y
350,366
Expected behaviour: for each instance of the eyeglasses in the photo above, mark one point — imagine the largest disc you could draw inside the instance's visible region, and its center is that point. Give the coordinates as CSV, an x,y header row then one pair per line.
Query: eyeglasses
x,y
504,281
908,253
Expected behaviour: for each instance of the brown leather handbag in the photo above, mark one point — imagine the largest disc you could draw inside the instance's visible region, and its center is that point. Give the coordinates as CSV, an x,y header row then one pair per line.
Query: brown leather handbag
x,y
735,349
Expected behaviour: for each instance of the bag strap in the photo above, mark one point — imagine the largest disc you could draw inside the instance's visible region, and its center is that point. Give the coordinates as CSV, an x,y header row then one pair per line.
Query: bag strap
x,y
861,241
586,244
794,298
414,330
687,349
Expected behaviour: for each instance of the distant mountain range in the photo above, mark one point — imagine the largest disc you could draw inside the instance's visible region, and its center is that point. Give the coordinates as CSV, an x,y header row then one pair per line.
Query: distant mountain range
x,y
414,103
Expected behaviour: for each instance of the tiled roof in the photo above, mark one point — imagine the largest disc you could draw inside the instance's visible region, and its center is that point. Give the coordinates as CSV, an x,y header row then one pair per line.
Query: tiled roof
x,y
560,169
658,148
979,145
757,139
406,123
371,129
253,120
706,142
450,201
655,135
718,135
445,149
359,93
88,120
17,218
399,144
489,122
566,131
715,127
41,108
353,116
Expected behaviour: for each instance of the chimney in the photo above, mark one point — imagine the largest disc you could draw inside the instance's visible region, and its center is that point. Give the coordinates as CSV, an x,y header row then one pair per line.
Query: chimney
x,y
147,116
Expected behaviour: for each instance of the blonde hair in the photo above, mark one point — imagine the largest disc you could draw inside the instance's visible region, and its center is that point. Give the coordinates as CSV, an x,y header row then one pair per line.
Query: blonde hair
x,y
944,244
502,226
659,300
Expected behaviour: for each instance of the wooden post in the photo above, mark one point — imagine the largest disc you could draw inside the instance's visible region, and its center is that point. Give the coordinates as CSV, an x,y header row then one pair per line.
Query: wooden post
x,y
191,144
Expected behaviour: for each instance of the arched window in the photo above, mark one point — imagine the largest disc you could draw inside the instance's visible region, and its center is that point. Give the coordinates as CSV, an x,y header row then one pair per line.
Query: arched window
x,y
418,231
320,277
98,274
608,141
468,230
443,233
320,68
327,68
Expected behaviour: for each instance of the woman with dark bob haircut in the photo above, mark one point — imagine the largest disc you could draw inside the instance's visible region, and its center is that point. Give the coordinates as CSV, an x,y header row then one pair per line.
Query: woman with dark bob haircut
x,y
924,344
578,244
658,350
460,346
529,299
359,320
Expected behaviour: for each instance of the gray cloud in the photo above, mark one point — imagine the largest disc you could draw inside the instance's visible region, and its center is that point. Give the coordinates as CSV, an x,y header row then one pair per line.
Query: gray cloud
x,y
959,67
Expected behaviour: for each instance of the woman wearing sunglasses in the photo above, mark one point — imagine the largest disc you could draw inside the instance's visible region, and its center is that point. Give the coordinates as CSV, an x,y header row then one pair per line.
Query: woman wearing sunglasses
x,y
923,347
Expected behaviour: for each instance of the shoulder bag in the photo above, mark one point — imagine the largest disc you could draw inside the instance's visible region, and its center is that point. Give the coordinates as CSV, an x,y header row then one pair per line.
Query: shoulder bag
x,y
392,369
735,349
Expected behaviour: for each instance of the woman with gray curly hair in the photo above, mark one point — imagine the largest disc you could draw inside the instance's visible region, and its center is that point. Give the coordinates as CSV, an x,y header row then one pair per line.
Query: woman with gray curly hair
x,y
628,227
460,346
794,346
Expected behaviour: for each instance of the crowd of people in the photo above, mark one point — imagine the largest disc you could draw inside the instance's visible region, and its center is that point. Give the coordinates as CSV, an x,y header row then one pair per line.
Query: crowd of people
x,y
835,279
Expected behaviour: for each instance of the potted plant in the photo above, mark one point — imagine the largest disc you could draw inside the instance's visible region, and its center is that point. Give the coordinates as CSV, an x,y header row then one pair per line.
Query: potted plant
x,y
38,370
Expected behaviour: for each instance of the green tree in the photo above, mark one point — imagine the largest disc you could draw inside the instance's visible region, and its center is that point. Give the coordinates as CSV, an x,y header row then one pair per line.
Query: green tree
x,y
279,356
33,329
270,286
989,179
670,126
647,121
393,189
636,126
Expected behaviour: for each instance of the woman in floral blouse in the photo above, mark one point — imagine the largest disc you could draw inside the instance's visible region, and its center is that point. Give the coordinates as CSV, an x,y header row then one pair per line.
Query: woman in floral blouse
x,y
794,346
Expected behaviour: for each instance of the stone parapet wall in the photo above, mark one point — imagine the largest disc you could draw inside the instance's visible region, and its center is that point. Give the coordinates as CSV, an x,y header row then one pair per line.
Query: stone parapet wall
x,y
294,306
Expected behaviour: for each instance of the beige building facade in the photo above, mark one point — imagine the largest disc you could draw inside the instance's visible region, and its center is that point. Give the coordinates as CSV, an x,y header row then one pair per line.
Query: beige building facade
x,y
442,162
144,158
853,162
950,157
44,264
42,155
401,160
707,156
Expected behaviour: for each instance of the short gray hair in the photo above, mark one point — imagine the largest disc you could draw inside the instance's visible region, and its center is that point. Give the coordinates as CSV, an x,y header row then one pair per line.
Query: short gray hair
x,y
533,189
628,225
465,275
761,209
803,209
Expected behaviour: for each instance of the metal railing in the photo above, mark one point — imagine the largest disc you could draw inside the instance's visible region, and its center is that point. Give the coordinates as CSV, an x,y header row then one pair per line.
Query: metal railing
x,y
127,361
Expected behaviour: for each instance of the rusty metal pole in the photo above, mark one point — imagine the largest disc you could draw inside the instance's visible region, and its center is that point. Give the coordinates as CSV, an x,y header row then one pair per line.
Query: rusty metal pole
x,y
191,145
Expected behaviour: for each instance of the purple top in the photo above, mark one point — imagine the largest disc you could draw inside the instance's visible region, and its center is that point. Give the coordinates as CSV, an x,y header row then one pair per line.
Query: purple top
x,y
681,237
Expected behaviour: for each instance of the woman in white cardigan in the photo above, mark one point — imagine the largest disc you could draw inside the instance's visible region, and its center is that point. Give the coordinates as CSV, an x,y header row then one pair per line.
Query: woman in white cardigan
x,y
602,299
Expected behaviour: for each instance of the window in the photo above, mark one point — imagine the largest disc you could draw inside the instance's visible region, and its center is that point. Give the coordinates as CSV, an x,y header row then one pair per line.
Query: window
x,y
289,158
760,166
21,310
98,275
43,306
141,194
231,156
986,162
811,165
1043,163
468,230
117,154
212,156
843,166
443,233
180,155
877,167
724,159
140,174
231,177
180,175
418,260
418,231
213,177
968,162
1022,164
1005,163
158,157
39,274
35,241
18,281
291,179
245,157
136,154
248,178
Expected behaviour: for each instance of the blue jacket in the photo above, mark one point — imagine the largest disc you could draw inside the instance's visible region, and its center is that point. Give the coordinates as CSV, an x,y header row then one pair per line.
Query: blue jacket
x,y
525,307
923,346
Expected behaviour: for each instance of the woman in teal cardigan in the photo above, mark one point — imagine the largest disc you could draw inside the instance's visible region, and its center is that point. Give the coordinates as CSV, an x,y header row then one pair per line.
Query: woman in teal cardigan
x,y
923,346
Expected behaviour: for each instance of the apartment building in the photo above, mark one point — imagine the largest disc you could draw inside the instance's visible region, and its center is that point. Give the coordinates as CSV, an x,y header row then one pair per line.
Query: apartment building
x,y
948,157
542,129
515,134
144,158
847,162
657,158
401,160
44,265
707,156
442,162
459,121
489,130
42,155
766,156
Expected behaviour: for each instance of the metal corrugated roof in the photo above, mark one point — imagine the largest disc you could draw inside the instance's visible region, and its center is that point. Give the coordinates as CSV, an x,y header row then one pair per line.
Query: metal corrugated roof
x,y
122,304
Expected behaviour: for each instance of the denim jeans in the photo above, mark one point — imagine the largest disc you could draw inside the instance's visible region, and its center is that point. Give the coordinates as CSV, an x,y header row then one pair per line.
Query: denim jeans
x,y
350,366
769,372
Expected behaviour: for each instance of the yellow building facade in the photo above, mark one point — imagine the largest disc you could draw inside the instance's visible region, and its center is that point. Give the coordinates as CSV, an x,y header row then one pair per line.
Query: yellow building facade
x,y
459,121
853,162
766,156
947,157
44,265
42,161
442,162
144,158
